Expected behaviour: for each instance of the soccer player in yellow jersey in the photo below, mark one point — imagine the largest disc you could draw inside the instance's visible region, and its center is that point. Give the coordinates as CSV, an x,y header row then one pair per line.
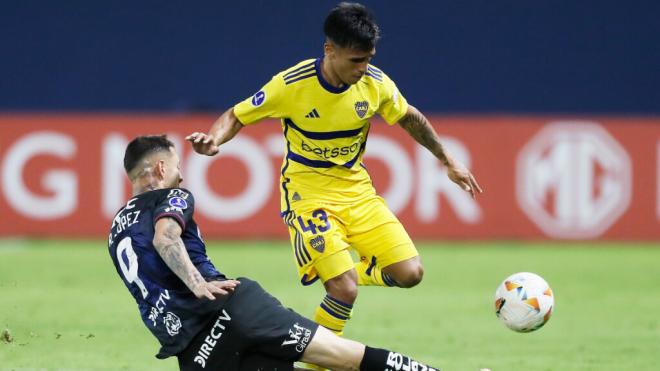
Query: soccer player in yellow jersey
x,y
327,198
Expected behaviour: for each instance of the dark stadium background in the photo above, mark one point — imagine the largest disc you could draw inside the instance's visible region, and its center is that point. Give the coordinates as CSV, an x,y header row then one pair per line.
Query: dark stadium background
x,y
447,56
503,82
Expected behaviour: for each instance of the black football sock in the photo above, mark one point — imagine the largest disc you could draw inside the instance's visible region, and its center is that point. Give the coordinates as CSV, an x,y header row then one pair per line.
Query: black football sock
x,y
380,359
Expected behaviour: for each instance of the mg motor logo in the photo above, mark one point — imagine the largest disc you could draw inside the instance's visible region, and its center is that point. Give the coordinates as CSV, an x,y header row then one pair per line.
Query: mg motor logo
x,y
573,180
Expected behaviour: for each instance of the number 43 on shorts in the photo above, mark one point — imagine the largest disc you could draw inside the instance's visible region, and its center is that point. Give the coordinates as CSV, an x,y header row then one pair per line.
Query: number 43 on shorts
x,y
310,226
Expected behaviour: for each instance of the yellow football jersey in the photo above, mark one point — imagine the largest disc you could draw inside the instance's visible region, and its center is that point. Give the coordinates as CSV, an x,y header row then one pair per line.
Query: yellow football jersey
x,y
325,129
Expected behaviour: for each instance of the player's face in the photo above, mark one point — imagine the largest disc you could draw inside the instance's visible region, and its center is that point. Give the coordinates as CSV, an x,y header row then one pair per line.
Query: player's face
x,y
348,64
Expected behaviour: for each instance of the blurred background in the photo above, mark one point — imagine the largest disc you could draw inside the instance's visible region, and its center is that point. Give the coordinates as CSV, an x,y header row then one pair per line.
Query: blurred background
x,y
554,105
447,57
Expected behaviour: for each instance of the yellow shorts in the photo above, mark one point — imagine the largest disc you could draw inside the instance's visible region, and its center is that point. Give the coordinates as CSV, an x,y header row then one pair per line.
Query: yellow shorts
x,y
322,234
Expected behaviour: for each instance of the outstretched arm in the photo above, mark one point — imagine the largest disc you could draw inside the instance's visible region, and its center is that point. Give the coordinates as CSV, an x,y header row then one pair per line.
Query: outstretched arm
x,y
419,127
223,129
168,244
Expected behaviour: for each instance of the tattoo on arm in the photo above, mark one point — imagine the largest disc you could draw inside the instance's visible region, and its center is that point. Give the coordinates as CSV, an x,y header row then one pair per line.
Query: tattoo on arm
x,y
170,247
416,124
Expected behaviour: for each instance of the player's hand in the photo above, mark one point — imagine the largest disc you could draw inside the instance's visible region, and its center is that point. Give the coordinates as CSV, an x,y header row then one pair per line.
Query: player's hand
x,y
212,289
227,286
460,175
203,143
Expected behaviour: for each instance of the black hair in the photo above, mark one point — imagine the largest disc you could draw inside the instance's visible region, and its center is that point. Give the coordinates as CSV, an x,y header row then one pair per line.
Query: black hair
x,y
142,146
351,25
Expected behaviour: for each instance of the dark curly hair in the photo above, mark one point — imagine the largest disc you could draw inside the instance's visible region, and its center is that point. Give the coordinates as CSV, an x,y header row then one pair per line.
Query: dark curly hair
x,y
351,25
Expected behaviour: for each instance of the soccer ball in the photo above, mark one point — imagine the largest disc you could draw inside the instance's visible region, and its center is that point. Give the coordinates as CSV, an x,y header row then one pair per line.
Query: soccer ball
x,y
524,302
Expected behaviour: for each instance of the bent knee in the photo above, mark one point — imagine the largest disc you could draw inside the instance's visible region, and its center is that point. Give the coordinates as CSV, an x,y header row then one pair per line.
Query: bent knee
x,y
411,277
342,288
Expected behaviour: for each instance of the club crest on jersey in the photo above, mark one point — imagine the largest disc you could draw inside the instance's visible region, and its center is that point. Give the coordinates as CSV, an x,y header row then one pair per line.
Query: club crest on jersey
x,y
172,323
259,98
361,108
318,243
178,202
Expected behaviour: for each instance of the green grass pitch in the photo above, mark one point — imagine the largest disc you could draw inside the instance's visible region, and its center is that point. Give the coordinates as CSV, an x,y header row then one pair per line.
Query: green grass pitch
x,y
67,309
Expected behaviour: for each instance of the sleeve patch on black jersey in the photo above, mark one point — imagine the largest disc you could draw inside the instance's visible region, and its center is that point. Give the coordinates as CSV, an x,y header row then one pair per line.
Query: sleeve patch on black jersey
x,y
178,202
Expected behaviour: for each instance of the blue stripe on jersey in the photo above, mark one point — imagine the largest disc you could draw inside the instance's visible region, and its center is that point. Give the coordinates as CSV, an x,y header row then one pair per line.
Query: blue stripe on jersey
x,y
374,76
354,159
296,249
287,82
304,249
301,72
324,135
286,180
304,255
290,155
357,155
288,220
307,282
307,162
375,70
287,75
323,164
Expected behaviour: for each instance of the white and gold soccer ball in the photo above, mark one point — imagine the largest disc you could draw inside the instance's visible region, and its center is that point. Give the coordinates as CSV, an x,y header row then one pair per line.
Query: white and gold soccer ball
x,y
524,302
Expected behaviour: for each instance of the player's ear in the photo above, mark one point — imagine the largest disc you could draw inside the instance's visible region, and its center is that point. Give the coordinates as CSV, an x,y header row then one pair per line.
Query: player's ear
x,y
328,48
159,169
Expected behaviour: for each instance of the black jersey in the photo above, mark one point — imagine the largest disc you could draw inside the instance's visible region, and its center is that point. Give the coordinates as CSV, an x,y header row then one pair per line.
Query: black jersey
x,y
168,308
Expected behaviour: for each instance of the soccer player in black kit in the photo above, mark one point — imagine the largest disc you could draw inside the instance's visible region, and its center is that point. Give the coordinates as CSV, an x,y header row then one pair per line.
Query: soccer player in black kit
x,y
206,320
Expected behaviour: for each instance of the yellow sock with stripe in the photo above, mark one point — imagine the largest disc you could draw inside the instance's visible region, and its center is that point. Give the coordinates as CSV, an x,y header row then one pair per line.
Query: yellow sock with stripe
x,y
370,274
333,314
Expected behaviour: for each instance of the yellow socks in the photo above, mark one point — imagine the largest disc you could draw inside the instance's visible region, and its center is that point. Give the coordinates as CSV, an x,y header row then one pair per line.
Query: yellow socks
x,y
333,314
369,274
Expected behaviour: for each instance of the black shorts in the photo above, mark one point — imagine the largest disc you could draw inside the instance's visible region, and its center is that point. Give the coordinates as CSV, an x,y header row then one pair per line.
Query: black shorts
x,y
252,332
